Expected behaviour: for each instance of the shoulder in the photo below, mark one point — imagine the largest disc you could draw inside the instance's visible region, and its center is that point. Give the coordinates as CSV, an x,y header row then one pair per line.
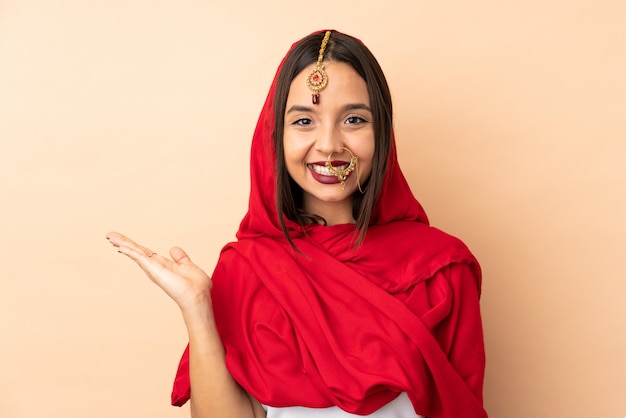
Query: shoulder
x,y
406,253
416,237
248,257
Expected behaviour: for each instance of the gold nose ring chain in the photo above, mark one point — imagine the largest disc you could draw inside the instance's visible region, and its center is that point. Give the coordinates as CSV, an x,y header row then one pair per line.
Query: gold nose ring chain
x,y
343,174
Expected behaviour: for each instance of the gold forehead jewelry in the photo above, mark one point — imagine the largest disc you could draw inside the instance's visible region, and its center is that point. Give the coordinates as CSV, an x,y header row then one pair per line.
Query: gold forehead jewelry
x,y
317,80
342,175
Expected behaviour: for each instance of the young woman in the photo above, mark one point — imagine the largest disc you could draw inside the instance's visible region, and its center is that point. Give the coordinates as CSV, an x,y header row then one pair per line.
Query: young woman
x,y
338,299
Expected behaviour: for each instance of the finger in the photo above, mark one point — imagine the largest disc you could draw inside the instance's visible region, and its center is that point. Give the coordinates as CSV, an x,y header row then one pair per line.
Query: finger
x,y
147,262
133,253
119,240
150,266
180,256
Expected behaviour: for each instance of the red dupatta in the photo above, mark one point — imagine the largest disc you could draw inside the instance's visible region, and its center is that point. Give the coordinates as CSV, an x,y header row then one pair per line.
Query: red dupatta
x,y
342,327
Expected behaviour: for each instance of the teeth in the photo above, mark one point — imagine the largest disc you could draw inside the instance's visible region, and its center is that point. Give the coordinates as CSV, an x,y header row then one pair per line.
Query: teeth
x,y
324,171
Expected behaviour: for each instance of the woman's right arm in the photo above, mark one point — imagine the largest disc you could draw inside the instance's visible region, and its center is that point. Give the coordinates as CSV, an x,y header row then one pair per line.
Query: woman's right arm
x,y
214,392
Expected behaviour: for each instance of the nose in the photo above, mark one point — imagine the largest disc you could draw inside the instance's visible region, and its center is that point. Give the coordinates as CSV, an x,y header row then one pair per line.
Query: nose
x,y
329,140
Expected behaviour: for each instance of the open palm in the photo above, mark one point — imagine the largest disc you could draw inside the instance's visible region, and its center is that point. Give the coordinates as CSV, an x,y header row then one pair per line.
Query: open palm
x,y
179,277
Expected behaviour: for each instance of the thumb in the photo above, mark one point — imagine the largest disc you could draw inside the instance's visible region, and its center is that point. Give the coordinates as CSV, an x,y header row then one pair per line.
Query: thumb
x,y
180,256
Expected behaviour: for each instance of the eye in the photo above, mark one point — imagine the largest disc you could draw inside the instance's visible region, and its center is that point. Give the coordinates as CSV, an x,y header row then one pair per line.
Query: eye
x,y
355,120
302,122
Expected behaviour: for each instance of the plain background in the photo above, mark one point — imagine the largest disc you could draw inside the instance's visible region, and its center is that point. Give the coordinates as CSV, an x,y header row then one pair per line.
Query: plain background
x,y
137,115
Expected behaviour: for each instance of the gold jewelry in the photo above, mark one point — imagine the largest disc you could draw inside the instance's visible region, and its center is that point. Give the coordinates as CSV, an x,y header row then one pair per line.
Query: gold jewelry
x,y
318,79
342,175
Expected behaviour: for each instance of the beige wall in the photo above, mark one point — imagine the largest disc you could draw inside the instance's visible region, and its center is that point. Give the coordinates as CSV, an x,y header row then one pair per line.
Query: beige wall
x,y
137,115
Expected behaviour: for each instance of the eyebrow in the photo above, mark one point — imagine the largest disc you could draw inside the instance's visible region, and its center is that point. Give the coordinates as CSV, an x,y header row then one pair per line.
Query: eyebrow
x,y
351,106
357,106
296,108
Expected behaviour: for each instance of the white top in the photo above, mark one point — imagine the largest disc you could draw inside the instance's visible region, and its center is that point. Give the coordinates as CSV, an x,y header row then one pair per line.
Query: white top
x,y
400,407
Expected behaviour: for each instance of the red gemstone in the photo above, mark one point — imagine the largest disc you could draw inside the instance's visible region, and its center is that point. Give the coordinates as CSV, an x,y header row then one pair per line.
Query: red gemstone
x,y
316,99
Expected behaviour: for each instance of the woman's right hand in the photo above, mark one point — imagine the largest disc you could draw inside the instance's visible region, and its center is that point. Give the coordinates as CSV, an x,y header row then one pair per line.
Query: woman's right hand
x,y
190,287
179,277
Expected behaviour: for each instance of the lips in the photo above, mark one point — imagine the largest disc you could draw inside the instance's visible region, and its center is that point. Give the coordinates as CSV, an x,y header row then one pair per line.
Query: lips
x,y
322,174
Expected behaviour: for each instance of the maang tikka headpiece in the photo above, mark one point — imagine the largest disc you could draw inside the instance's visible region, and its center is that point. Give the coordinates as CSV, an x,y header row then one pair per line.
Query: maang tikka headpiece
x,y
318,79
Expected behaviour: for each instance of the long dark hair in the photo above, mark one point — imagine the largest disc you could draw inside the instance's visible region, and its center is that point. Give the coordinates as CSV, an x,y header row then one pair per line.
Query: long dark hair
x,y
346,49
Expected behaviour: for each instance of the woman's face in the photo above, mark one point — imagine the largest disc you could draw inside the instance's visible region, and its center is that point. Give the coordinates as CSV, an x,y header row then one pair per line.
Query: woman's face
x,y
343,118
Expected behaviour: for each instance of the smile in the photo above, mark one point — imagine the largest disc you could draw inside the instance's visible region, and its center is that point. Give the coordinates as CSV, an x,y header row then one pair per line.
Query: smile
x,y
324,171
323,175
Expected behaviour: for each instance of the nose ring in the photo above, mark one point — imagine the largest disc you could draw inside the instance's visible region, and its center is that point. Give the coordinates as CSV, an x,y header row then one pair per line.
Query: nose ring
x,y
342,175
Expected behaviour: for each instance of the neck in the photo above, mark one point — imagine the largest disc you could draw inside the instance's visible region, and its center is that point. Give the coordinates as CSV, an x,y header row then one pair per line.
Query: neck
x,y
335,213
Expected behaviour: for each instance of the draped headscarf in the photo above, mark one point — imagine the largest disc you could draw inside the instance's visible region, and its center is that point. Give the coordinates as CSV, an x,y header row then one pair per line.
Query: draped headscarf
x,y
334,326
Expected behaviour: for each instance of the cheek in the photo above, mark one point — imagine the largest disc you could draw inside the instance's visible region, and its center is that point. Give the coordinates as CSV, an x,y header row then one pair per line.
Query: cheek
x,y
295,146
366,167
365,151
293,155
288,148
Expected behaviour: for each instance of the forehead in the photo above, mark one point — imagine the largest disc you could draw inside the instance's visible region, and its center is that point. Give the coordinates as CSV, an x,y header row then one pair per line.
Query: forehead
x,y
344,86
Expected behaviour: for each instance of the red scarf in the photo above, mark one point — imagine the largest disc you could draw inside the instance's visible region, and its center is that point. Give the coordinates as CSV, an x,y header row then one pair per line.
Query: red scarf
x,y
343,327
